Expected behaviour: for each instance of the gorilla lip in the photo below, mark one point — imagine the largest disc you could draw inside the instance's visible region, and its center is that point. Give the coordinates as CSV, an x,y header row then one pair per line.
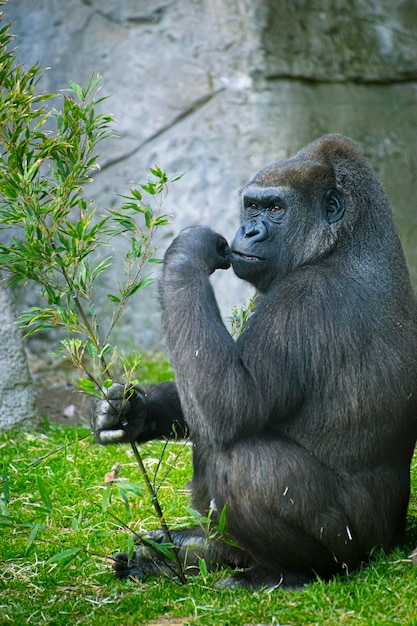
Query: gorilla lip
x,y
247,257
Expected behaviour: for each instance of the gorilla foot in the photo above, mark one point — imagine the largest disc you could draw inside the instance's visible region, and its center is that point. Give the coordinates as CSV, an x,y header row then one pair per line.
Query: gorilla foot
x,y
261,577
141,565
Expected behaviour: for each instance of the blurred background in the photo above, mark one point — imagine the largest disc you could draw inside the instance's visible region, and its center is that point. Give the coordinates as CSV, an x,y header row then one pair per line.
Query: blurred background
x,y
215,89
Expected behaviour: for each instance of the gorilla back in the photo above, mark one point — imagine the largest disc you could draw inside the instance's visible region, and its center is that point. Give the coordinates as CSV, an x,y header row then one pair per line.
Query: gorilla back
x,y
304,428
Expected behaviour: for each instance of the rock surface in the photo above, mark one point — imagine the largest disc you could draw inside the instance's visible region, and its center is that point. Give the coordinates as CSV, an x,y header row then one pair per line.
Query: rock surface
x,y
17,397
218,89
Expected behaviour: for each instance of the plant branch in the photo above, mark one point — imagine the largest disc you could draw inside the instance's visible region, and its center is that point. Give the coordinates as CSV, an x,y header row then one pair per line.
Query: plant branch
x,y
155,503
42,176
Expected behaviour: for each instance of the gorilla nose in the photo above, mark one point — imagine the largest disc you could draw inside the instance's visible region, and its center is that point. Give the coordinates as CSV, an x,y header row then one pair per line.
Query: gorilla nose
x,y
257,230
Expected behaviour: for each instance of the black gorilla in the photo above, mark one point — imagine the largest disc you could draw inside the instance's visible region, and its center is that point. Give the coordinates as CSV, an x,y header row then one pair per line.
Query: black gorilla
x,y
303,428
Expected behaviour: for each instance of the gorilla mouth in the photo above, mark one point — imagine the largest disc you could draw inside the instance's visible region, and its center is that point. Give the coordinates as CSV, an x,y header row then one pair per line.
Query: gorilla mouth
x,y
247,257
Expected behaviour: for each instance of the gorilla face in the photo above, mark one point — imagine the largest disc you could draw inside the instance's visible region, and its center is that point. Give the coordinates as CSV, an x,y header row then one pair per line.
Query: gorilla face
x,y
285,224
255,246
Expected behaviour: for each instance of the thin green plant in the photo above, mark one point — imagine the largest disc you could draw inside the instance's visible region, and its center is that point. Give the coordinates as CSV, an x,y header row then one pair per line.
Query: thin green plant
x,y
241,316
47,157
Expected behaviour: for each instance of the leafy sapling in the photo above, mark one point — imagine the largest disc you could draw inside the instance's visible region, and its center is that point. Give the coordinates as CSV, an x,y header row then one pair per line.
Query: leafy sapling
x,y
47,157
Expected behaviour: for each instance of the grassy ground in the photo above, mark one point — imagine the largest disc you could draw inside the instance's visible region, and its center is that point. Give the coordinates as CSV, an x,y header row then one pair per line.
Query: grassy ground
x,y
56,540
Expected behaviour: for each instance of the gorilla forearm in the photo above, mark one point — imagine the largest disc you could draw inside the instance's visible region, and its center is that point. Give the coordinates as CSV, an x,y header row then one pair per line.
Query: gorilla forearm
x,y
202,349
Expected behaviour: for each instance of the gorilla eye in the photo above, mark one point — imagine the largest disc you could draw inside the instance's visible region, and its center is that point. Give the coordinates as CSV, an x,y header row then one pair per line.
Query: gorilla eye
x,y
253,207
276,212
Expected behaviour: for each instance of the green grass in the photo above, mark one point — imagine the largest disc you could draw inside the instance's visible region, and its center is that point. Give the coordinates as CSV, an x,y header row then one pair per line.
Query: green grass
x,y
55,486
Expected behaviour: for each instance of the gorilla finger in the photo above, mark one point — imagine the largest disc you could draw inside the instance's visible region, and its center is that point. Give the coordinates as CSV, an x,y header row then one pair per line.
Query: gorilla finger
x,y
223,248
155,536
108,416
111,436
223,263
104,417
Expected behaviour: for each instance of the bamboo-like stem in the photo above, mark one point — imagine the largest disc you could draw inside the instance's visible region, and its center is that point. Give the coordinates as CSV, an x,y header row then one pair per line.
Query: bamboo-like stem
x,y
155,502
142,469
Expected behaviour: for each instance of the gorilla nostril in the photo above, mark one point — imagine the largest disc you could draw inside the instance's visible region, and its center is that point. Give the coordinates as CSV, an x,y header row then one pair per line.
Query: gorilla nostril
x,y
250,229
255,229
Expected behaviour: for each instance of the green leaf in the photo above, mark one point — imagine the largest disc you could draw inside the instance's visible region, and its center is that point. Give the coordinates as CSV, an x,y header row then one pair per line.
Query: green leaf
x,y
105,349
86,384
36,529
221,525
141,283
161,221
102,534
164,548
149,188
88,387
130,546
5,485
91,349
105,499
5,520
125,499
70,553
76,522
134,489
136,194
44,493
4,511
203,567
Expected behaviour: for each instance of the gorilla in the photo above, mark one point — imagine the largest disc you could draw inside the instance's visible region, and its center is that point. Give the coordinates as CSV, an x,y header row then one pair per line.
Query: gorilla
x,y
302,429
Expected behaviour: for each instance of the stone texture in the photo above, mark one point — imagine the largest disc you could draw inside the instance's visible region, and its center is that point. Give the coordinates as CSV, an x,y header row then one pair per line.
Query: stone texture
x,y
218,89
17,398
340,40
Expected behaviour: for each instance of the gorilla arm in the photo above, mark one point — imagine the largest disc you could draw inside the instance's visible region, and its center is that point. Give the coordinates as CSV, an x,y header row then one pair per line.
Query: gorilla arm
x,y
157,413
221,398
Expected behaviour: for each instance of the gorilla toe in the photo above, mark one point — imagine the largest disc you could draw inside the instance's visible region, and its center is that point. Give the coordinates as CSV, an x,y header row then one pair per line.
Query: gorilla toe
x,y
142,564
123,567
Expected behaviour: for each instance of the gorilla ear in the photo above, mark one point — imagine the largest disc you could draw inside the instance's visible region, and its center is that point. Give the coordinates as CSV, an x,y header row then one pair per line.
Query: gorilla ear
x,y
334,204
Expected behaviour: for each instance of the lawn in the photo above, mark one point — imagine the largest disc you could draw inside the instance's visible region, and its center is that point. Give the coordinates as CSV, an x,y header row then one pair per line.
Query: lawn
x,y
61,523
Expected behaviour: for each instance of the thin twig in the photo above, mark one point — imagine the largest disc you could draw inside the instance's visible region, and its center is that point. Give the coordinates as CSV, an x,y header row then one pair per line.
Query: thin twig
x,y
151,491
155,502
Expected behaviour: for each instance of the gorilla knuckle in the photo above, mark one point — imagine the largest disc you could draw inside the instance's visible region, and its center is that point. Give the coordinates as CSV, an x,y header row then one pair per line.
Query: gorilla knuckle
x,y
115,391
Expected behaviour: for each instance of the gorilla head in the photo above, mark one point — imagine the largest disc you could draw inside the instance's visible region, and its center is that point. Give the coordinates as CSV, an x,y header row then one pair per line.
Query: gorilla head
x,y
300,210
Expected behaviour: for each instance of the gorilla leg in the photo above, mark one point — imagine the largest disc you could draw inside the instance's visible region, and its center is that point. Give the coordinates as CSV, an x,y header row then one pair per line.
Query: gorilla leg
x,y
292,518
288,514
288,518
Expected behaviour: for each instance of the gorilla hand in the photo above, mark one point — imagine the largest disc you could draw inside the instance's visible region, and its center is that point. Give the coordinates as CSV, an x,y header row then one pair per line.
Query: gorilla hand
x,y
200,245
120,416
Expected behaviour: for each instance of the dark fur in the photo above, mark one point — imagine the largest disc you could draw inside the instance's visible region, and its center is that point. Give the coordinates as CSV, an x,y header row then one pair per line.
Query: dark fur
x,y
303,428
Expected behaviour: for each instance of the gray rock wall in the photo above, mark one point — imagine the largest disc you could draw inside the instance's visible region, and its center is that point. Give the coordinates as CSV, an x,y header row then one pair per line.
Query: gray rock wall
x,y
340,40
17,397
218,89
